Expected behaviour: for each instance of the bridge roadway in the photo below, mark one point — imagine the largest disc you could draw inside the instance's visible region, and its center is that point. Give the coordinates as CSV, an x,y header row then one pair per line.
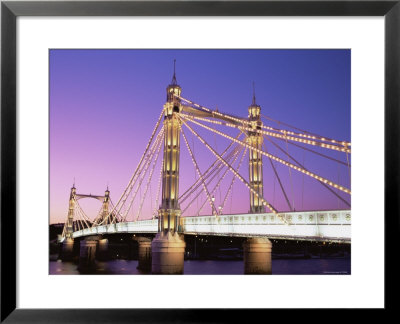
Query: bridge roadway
x,y
330,226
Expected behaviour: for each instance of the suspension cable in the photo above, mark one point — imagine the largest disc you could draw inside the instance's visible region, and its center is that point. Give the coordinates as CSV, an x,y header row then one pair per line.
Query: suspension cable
x,y
211,166
232,169
244,121
143,173
302,166
140,161
233,179
279,181
218,169
318,153
157,155
212,174
199,174
290,174
311,174
159,186
220,180
269,133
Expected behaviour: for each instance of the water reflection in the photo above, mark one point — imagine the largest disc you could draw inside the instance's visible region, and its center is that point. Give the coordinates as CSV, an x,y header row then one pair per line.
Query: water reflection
x,y
213,267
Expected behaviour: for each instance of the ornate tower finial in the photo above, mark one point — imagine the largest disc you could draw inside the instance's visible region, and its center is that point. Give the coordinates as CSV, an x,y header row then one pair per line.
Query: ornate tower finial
x,y
174,82
254,96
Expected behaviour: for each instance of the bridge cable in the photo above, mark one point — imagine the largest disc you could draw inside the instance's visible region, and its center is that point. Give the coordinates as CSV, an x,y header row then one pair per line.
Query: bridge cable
x,y
218,169
279,181
290,174
302,185
210,176
199,174
318,153
302,166
230,188
221,179
143,173
159,186
245,121
216,162
299,169
157,155
299,129
274,134
232,169
142,157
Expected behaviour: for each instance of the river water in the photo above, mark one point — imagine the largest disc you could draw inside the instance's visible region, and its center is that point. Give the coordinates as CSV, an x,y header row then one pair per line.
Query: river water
x,y
311,266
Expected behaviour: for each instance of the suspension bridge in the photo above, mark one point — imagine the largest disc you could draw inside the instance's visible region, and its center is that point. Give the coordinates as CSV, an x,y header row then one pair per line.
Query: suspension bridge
x,y
174,215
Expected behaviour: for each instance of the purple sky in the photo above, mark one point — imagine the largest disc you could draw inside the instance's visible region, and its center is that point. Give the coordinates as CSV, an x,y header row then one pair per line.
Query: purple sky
x,y
105,103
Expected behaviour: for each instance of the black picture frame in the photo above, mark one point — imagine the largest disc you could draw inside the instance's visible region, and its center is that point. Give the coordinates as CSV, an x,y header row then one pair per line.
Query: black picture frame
x,y
10,10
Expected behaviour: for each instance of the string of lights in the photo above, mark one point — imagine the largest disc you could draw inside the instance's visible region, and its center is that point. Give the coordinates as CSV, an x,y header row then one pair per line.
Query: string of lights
x,y
159,187
157,155
233,180
141,158
279,181
306,132
81,213
244,121
213,167
155,147
221,179
265,202
209,176
199,173
142,172
218,169
311,174
302,166
315,152
283,136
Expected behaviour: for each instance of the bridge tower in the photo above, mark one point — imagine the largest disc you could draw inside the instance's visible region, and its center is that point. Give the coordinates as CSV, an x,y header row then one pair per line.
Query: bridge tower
x,y
256,251
68,244
255,158
102,252
168,247
106,204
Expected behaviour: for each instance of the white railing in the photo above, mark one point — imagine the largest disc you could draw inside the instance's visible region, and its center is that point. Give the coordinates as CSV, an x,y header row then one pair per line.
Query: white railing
x,y
332,225
329,225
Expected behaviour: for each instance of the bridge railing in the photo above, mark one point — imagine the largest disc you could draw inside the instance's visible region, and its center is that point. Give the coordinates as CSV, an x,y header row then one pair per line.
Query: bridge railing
x,y
333,225
329,225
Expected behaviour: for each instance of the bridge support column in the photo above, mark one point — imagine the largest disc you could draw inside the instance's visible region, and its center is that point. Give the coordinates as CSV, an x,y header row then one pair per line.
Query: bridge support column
x,y
168,251
257,256
102,252
67,249
168,248
144,254
87,254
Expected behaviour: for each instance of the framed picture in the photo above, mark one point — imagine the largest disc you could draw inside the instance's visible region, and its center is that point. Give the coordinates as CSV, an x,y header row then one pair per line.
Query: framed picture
x,y
314,56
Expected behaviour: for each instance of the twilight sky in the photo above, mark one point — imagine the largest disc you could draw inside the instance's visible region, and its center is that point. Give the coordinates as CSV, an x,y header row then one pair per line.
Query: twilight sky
x,y
105,103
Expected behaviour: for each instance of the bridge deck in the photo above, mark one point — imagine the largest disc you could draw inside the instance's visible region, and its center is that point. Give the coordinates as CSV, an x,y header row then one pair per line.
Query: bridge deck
x,y
332,225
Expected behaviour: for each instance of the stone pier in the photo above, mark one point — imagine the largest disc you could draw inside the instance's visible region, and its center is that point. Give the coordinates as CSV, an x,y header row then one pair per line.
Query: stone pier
x,y
257,256
67,249
168,251
87,255
144,254
102,250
